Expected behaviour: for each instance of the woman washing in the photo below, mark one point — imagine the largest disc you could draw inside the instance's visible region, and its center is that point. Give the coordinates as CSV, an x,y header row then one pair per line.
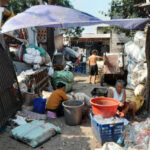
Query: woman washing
x,y
119,94
54,102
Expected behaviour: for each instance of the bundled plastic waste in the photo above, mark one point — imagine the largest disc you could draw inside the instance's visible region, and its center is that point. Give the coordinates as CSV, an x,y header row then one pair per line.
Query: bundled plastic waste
x,y
34,55
112,120
138,136
139,89
81,97
136,66
34,133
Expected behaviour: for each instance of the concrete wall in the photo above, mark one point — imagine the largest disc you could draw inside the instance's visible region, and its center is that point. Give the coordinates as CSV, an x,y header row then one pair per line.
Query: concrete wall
x,y
59,42
117,42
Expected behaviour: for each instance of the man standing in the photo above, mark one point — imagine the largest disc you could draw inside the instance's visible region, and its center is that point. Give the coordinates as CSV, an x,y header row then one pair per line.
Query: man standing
x,y
93,68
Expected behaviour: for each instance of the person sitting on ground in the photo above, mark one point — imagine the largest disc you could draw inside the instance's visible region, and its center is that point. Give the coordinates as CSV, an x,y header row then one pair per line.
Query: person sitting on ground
x,y
93,68
54,102
119,94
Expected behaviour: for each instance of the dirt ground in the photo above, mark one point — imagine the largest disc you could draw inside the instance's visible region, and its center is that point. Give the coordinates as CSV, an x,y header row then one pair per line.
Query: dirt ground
x,y
72,137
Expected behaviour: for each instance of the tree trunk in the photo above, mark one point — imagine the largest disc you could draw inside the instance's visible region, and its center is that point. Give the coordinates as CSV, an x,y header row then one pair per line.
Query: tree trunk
x,y
147,51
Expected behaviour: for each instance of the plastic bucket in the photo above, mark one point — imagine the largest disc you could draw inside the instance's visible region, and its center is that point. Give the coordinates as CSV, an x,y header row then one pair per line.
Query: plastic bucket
x,y
39,105
73,112
29,98
106,107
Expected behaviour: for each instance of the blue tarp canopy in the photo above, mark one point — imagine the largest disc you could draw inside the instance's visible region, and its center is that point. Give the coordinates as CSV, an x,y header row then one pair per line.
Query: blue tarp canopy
x,y
129,24
49,16
62,17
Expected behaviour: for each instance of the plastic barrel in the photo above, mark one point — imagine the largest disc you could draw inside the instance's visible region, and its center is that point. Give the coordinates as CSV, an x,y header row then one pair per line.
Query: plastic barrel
x,y
73,112
39,105
76,69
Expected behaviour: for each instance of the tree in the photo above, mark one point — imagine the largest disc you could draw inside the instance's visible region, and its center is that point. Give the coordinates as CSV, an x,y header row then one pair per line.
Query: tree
x,y
21,5
124,9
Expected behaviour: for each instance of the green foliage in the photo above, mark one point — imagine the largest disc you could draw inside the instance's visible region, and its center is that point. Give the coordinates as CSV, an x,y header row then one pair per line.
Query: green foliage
x,y
65,3
74,32
124,9
21,5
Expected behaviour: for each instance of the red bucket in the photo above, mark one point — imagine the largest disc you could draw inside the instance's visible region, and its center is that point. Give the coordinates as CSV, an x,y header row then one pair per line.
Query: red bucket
x,y
106,107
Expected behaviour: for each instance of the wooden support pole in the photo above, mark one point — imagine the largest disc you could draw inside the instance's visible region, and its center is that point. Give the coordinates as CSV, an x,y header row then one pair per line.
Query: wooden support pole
x,y
147,51
50,42
50,39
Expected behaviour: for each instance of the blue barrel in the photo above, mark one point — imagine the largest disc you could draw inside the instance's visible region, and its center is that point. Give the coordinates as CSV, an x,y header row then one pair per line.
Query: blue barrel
x,y
39,105
76,69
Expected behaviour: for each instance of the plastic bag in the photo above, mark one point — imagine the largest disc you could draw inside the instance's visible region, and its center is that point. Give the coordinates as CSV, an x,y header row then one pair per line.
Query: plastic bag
x,y
81,97
41,50
51,71
110,146
138,90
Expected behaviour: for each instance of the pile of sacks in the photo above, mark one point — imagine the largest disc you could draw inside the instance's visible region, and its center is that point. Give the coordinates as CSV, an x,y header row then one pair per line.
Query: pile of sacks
x,y
135,61
65,77
35,55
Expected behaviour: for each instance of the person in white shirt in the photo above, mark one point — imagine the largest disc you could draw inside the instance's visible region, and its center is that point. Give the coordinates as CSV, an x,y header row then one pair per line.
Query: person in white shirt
x,y
119,94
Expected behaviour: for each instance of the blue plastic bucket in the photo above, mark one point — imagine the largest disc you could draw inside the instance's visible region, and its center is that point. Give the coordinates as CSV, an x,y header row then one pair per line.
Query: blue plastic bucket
x,y
39,105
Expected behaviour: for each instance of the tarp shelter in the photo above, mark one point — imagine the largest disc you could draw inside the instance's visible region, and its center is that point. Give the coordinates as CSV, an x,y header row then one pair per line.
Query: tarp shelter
x,y
62,17
49,16
129,24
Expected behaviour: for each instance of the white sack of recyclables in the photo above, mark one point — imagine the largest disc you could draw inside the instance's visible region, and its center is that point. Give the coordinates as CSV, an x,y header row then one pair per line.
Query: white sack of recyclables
x,y
139,77
129,80
131,66
139,89
140,39
140,71
37,60
133,51
128,51
33,51
28,58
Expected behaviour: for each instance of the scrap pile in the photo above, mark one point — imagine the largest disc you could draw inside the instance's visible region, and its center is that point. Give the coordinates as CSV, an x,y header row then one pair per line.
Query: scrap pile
x,y
138,135
136,61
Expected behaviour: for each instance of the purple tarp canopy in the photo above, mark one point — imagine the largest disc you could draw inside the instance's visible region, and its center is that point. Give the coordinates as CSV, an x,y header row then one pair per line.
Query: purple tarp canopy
x,y
49,16
62,17
129,24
